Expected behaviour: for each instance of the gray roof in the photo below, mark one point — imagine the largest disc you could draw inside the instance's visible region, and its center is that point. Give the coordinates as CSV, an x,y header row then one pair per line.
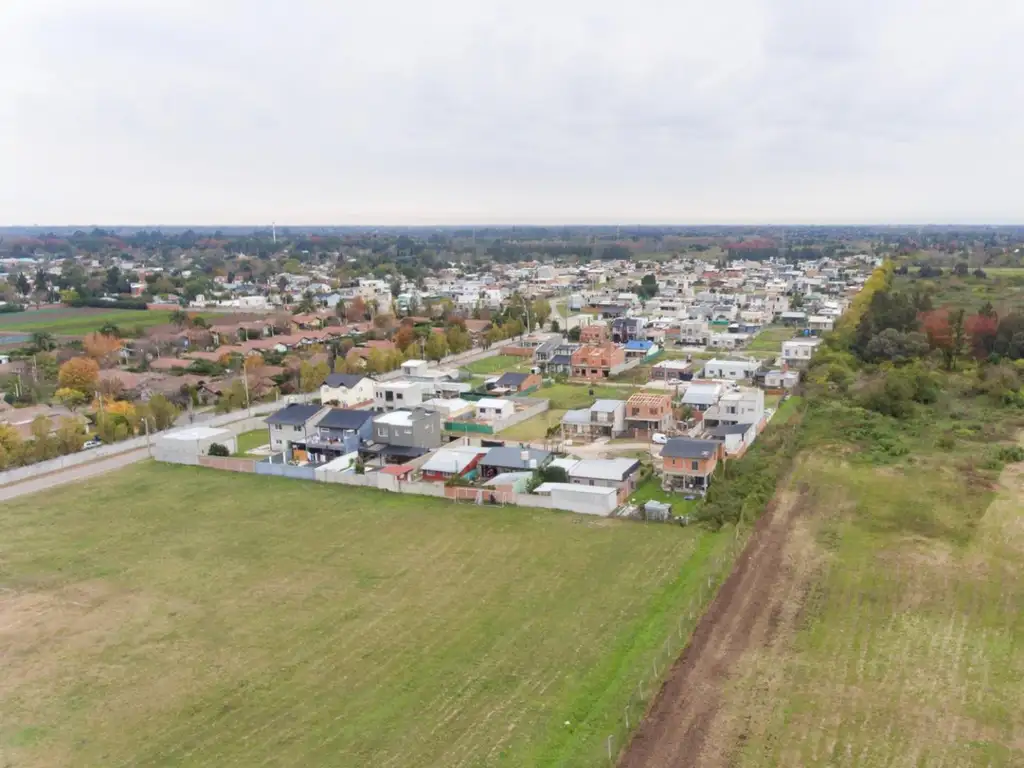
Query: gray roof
x,y
512,379
345,418
685,448
561,360
729,429
578,416
511,458
346,380
294,414
607,406
604,469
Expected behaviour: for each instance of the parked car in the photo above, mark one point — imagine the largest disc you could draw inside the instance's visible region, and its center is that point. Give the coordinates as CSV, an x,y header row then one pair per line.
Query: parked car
x,y
659,438
94,443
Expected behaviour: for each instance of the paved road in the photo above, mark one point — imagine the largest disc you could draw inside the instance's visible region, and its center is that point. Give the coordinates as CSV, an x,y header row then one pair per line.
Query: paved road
x,y
72,475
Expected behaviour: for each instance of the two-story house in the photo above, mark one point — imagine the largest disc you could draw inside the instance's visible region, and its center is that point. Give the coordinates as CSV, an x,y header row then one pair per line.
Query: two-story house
x,y
797,353
346,390
595,333
397,395
647,413
399,436
605,418
292,424
596,362
337,432
700,396
688,464
694,333
737,405
627,329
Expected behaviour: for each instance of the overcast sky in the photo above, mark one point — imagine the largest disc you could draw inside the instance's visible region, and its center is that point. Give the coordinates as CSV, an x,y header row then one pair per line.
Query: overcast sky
x,y
486,111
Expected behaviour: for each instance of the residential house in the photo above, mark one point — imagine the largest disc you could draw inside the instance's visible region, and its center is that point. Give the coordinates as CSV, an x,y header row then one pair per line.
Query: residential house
x,y
396,395
546,353
797,353
605,418
672,370
738,405
776,379
647,413
347,390
457,461
733,370
596,362
728,340
293,423
399,436
560,365
452,409
735,438
595,333
627,329
494,409
338,432
621,474
583,499
694,333
687,464
640,348
515,383
700,396
794,319
510,459
820,323
21,419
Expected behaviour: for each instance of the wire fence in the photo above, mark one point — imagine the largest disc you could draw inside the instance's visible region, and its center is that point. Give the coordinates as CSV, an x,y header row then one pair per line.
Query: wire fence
x,y
647,687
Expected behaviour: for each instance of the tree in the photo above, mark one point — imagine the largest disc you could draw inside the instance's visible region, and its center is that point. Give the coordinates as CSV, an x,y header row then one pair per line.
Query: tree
x,y
70,436
896,346
43,342
179,319
574,334
352,362
160,412
648,286
458,339
437,346
376,361
982,330
23,285
555,326
79,373
312,375
541,310
70,398
946,332
282,283
355,312
308,303
987,310
101,347
69,296
960,270
405,336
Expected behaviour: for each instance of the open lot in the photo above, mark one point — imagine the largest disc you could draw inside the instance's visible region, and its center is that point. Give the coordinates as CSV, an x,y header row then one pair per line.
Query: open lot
x,y
78,321
770,339
255,438
180,616
500,364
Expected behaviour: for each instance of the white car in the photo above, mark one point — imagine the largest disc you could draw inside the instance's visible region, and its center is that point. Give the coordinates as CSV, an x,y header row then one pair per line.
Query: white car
x,y
94,443
659,438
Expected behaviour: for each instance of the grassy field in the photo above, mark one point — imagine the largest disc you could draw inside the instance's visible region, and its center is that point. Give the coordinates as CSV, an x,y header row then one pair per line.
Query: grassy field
x,y
571,396
71,321
770,339
499,364
255,438
1004,288
535,428
180,616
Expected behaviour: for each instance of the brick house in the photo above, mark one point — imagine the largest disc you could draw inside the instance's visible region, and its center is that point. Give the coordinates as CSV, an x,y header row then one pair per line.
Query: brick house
x,y
596,333
646,413
595,362
689,464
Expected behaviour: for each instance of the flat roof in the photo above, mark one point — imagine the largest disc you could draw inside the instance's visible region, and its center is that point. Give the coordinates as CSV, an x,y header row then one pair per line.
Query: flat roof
x,y
197,433
595,490
493,402
399,418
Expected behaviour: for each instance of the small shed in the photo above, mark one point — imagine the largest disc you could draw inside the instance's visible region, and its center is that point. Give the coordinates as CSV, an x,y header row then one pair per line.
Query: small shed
x,y
657,510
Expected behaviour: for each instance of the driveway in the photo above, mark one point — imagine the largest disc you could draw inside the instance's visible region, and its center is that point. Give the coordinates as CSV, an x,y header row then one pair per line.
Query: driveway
x,y
72,475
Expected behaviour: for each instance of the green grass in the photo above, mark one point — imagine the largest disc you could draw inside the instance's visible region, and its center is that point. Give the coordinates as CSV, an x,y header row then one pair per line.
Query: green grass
x,y
533,429
651,489
499,364
166,615
786,410
573,396
69,321
770,339
255,438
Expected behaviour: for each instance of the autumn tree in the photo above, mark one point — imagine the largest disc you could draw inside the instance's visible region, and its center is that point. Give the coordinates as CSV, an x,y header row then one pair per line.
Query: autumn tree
x,y
70,436
946,332
540,311
312,375
355,312
405,336
458,339
982,329
79,373
102,348
70,398
437,346
160,413
376,361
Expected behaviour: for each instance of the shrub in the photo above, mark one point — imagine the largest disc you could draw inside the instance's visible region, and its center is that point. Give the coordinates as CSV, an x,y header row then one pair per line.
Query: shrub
x,y
1010,453
216,449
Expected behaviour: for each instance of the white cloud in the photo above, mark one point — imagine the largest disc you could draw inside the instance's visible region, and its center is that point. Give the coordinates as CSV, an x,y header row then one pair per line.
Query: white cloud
x,y
216,111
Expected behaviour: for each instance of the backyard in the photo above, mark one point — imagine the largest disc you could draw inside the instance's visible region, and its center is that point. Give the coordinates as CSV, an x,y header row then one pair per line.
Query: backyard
x,y
500,364
770,339
177,615
248,441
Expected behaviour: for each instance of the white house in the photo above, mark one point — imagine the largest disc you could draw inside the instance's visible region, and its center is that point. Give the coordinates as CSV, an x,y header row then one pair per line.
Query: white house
x,y
396,395
738,405
781,379
347,390
702,396
734,370
728,340
797,353
494,409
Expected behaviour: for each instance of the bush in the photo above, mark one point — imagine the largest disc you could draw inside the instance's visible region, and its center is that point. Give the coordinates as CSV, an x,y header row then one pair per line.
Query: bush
x,y
100,304
216,449
7,309
1010,453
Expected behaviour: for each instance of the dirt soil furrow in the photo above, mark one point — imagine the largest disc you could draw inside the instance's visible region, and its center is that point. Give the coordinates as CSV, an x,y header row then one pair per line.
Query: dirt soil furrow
x,y
742,615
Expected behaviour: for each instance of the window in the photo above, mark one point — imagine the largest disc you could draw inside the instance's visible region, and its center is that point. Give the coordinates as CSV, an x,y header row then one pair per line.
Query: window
x,y
636,411
398,396
382,432
389,396
695,465
296,428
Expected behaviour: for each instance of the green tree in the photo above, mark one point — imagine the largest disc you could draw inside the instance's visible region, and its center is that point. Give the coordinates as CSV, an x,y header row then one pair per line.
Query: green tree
x,y
437,346
43,342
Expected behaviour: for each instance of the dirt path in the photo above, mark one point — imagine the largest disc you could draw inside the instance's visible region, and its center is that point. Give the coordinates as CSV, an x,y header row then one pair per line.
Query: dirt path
x,y
745,614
